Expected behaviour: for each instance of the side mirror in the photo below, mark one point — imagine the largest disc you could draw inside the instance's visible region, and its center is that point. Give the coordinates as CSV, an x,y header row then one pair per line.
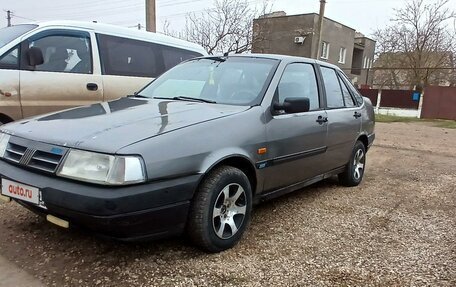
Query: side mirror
x,y
293,105
34,56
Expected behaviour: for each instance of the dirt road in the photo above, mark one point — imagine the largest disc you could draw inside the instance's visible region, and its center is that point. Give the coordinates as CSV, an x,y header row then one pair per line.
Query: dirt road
x,y
397,229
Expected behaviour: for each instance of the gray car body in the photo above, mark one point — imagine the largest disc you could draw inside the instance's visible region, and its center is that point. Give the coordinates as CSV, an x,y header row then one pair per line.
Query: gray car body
x,y
180,138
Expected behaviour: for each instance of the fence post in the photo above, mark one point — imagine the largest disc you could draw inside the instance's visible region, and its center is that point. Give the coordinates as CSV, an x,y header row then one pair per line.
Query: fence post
x,y
379,98
420,104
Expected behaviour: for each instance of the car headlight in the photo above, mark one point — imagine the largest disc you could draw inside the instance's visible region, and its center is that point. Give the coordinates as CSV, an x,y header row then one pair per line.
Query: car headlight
x,y
102,168
4,139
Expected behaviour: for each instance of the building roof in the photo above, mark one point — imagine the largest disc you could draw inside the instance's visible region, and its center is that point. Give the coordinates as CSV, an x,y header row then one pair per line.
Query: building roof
x,y
305,14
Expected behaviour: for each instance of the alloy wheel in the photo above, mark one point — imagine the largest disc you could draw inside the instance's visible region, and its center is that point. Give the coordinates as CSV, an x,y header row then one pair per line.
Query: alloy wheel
x,y
229,211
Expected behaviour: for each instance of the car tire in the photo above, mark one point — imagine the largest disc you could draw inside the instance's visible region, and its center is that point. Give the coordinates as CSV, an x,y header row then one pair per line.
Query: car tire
x,y
354,172
221,209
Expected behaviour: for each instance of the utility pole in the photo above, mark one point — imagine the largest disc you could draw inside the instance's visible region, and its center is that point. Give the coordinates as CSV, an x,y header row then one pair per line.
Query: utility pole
x,y
151,24
8,16
320,28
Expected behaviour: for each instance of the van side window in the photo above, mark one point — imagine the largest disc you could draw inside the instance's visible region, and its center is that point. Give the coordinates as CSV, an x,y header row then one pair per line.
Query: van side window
x,y
334,96
10,60
127,57
299,80
173,56
71,54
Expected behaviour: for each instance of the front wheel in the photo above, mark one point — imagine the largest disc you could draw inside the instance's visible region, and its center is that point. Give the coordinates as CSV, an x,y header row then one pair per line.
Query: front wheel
x,y
220,211
354,172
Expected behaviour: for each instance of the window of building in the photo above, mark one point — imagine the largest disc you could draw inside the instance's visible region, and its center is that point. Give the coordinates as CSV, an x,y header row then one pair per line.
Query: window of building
x,y
342,55
334,96
324,53
367,63
299,80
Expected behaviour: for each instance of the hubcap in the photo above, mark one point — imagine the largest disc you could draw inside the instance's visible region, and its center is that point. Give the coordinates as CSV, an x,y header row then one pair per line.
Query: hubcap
x,y
229,211
358,164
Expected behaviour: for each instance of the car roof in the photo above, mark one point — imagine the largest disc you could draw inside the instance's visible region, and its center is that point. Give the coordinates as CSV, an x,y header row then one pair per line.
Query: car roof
x,y
126,32
285,58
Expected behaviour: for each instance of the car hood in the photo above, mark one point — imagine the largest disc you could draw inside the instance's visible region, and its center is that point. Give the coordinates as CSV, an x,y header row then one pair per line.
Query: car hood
x,y
109,126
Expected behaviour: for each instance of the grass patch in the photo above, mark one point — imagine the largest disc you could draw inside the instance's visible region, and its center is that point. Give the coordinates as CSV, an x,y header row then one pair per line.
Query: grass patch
x,y
394,119
448,124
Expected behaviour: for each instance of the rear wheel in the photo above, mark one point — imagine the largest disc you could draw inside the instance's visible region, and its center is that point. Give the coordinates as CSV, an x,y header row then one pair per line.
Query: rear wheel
x,y
353,174
220,211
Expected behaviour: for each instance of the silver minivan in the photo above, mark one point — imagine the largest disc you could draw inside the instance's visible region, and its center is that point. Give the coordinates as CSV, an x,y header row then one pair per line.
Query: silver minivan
x,y
57,65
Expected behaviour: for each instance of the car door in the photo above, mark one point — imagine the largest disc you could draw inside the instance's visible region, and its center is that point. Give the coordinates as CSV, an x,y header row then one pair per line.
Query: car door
x,y
344,119
65,79
9,85
296,142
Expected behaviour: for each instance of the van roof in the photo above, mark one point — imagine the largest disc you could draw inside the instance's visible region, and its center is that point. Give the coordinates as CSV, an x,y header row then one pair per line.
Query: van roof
x,y
126,32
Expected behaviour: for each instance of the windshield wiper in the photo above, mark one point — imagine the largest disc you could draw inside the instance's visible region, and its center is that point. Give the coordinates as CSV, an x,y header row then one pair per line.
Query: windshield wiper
x,y
216,58
184,98
137,96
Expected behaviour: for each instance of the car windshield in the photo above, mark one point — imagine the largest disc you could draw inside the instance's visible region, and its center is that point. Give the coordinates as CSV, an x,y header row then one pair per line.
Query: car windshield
x,y
223,80
8,34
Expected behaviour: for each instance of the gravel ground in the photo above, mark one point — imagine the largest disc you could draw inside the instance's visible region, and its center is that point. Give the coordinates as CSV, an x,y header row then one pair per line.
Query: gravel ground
x,y
397,229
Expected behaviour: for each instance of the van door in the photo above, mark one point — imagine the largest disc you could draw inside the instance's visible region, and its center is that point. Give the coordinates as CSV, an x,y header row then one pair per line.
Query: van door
x,y
10,107
128,64
66,78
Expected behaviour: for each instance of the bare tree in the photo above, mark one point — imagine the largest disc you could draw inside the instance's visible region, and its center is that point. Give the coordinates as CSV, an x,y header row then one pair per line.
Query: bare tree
x,y
226,28
419,39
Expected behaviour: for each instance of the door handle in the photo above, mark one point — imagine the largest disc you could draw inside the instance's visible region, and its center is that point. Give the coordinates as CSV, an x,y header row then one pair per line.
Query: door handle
x,y
92,87
357,115
321,120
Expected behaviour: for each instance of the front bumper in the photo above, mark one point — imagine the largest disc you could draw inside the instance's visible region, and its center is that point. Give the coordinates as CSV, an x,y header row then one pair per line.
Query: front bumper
x,y
150,210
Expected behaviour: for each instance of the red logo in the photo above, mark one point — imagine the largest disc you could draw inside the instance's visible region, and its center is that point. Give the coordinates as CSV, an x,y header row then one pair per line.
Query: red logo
x,y
24,192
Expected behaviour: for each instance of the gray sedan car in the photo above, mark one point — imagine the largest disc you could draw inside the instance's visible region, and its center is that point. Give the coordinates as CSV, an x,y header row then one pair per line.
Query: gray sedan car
x,y
193,151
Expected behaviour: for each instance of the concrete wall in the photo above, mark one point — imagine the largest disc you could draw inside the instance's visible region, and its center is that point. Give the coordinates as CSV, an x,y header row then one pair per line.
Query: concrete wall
x,y
338,35
275,35
366,76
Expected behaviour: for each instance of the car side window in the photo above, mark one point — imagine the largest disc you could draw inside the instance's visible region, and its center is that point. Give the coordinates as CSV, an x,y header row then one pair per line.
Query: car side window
x,y
71,54
334,96
299,81
10,60
358,98
349,103
128,57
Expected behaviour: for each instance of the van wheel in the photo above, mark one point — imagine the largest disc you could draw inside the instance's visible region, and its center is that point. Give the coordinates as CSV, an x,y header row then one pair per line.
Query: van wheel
x,y
354,172
221,209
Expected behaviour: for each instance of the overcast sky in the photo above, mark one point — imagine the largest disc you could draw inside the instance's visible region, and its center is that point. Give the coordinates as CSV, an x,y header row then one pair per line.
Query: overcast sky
x,y
363,15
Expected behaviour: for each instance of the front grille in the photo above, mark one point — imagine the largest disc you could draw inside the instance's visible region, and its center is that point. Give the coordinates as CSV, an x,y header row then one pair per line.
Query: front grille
x,y
34,158
15,152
